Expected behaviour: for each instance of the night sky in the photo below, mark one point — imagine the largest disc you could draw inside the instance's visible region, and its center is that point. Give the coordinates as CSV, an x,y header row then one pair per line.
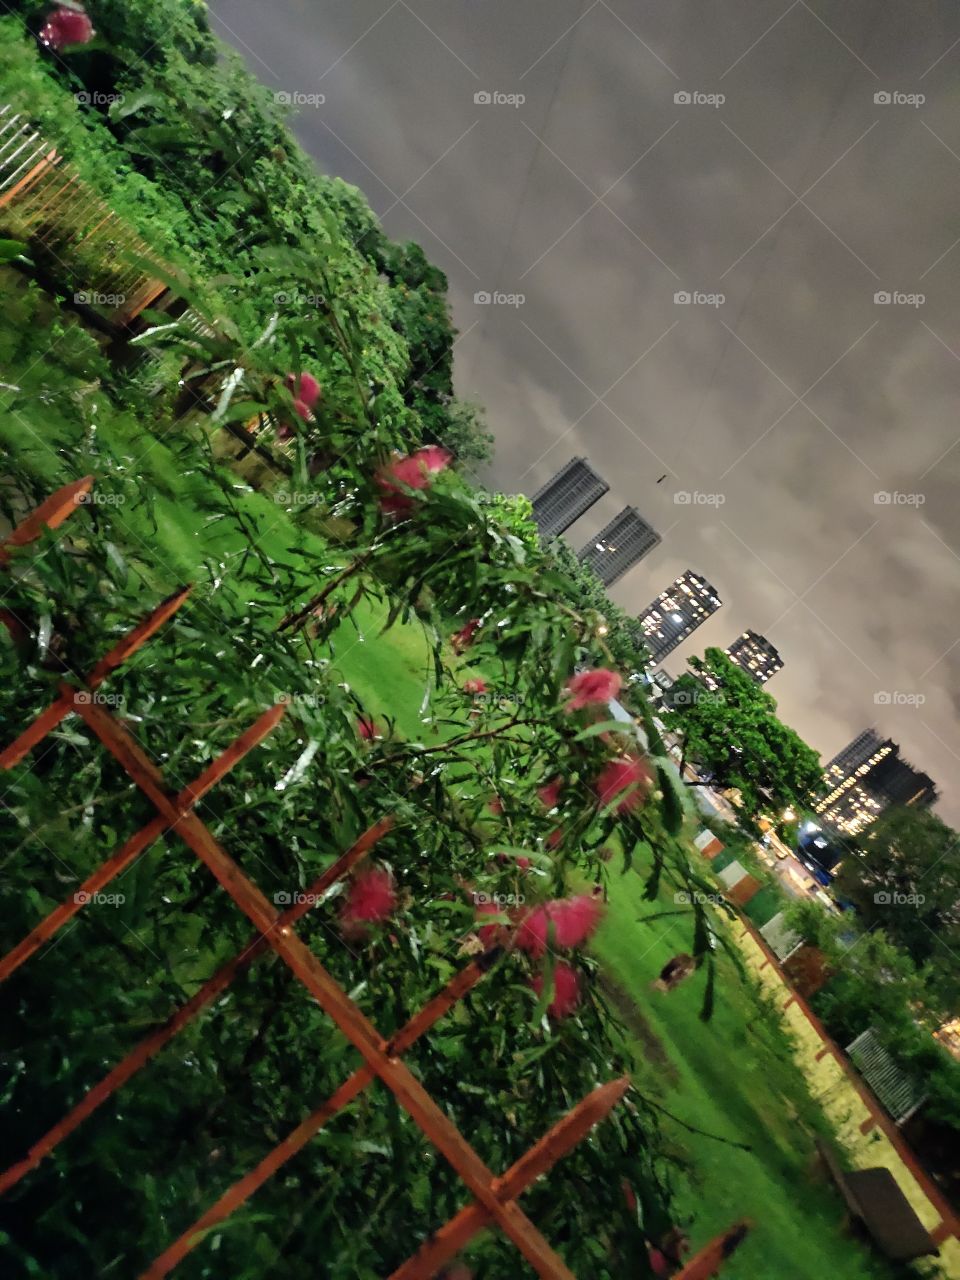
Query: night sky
x,y
782,186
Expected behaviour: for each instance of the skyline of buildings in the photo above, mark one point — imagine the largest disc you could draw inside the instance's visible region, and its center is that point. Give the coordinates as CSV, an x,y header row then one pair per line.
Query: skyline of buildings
x,y
620,545
676,613
861,786
565,497
756,655
867,777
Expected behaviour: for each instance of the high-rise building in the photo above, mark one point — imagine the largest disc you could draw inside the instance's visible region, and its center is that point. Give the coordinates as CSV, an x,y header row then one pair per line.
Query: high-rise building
x,y
865,778
676,613
571,492
618,547
756,655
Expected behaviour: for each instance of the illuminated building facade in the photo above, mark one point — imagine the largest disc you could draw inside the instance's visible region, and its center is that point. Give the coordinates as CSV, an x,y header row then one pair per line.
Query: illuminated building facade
x,y
676,613
865,778
756,655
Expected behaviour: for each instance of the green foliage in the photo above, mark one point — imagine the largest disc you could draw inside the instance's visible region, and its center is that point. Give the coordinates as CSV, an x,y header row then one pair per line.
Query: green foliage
x,y
905,877
732,731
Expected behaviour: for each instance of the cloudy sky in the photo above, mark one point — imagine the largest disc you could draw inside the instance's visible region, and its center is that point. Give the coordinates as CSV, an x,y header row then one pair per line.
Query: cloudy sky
x,y
810,162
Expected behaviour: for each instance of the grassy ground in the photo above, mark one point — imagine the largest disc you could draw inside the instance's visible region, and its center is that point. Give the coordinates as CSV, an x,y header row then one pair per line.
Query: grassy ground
x,y
732,1077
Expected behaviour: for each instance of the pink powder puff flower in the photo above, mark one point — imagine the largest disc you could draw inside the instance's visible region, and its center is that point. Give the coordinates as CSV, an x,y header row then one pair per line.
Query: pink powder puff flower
x,y
371,898
416,471
592,687
65,27
368,728
627,778
302,410
487,933
475,685
304,387
575,919
566,991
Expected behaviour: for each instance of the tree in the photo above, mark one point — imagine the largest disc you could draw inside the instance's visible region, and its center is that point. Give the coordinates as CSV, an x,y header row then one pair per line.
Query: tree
x,y
905,877
732,731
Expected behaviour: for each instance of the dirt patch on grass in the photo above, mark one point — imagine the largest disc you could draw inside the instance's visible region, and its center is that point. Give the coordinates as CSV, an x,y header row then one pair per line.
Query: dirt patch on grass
x,y
639,1028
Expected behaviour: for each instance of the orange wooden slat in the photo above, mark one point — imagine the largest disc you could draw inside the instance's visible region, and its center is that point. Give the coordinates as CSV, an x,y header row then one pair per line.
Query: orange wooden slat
x,y
50,514
58,711
297,1139
151,1045
436,1125
711,1258
133,847
451,1238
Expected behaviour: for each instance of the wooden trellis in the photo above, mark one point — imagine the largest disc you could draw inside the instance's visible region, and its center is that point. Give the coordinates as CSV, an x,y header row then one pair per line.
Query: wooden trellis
x,y
49,201
494,1199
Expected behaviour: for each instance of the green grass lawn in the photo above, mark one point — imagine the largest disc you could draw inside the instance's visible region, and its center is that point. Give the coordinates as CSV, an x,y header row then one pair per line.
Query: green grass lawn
x,y
732,1077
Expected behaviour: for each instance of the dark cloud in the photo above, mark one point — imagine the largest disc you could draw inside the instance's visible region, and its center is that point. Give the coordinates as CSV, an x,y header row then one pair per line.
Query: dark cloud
x,y
600,197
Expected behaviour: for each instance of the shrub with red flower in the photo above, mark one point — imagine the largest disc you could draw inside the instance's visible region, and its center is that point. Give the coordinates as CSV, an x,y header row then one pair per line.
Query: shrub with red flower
x,y
573,920
487,933
463,638
591,688
626,780
566,991
368,729
65,27
305,388
475,685
416,471
371,898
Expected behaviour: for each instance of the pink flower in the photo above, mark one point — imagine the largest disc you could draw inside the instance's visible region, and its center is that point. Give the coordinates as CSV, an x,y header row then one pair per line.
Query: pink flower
x,y
368,728
474,685
66,27
305,388
550,793
626,778
524,864
590,687
554,838
415,472
495,806
371,898
285,431
566,991
302,410
532,933
575,919
463,638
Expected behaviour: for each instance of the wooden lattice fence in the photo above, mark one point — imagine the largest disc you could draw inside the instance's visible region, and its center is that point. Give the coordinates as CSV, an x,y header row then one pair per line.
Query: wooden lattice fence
x,y
494,1198
44,200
